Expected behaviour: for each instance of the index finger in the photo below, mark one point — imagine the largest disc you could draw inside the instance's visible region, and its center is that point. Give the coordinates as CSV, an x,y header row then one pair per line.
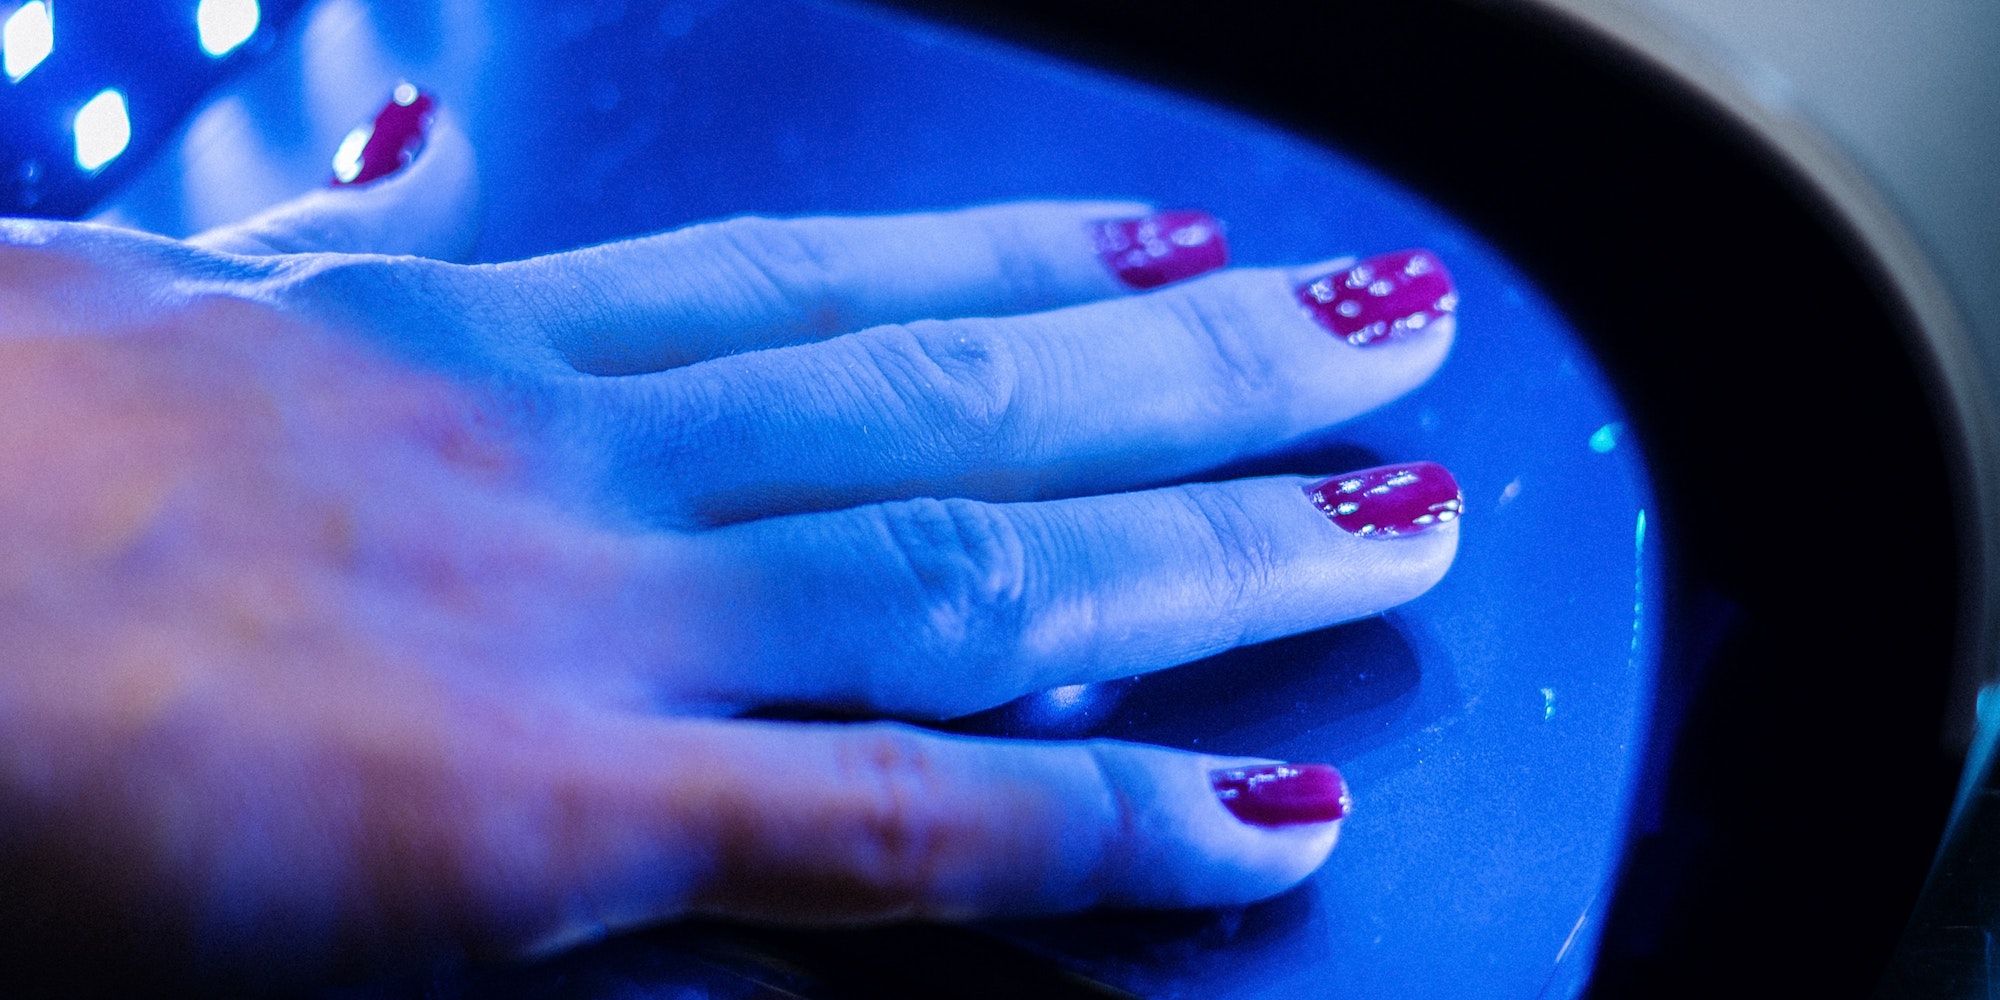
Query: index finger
x,y
749,283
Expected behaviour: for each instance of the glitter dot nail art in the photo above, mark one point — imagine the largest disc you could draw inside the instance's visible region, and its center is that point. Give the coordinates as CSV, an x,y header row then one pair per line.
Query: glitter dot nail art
x,y
1381,299
1161,249
1390,501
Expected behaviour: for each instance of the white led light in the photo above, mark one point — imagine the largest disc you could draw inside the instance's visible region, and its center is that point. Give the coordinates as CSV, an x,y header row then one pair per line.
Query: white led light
x,y
103,130
28,38
226,24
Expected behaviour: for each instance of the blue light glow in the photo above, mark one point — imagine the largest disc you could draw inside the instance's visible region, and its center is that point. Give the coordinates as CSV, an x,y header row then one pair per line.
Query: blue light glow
x,y
103,130
226,24
27,39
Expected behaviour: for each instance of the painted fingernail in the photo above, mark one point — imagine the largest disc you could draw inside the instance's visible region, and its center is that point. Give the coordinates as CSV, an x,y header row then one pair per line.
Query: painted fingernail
x,y
1160,249
1382,298
376,149
1391,500
1283,794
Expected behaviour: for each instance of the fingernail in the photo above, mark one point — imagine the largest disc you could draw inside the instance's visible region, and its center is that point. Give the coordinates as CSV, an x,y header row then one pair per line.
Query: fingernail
x,y
1283,794
1160,249
1382,298
1391,500
379,148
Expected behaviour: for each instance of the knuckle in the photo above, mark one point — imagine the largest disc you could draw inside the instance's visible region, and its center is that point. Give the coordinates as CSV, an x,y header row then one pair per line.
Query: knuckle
x,y
965,566
349,288
1120,834
639,427
129,278
1222,319
415,306
901,824
1026,275
556,308
800,263
1242,558
958,381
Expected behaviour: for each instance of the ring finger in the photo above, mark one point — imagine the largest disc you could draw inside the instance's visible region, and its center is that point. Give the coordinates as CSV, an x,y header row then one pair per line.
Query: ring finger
x,y
941,607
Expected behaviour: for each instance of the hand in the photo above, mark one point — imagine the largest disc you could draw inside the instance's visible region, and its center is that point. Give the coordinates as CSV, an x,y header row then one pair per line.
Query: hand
x,y
360,606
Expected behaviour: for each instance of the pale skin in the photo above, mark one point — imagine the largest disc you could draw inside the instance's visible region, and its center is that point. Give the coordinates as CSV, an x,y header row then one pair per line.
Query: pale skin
x,y
355,613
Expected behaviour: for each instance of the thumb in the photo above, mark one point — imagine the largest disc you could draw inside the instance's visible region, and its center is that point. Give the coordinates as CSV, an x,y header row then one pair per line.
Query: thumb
x,y
404,183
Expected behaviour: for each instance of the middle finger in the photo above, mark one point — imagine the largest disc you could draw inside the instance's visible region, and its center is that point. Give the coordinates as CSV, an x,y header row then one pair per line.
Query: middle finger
x,y
1088,399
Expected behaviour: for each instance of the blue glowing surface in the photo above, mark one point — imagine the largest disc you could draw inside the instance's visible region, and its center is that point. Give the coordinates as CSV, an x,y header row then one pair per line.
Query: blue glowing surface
x,y
1490,730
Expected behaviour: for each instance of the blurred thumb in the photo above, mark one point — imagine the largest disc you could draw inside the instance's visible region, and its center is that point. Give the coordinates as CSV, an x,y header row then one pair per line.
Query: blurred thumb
x,y
404,183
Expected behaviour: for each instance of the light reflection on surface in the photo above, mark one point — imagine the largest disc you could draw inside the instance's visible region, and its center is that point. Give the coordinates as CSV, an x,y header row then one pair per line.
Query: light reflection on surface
x,y
103,129
1638,589
1066,696
226,24
347,159
1605,439
27,39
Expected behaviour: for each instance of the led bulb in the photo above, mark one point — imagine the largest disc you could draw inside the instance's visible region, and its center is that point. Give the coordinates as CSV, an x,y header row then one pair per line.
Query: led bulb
x,y
27,39
103,130
226,24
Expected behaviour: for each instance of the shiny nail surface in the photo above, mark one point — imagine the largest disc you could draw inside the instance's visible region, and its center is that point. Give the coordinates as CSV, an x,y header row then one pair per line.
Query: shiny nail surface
x,y
1160,249
1382,298
1390,500
383,146
1282,794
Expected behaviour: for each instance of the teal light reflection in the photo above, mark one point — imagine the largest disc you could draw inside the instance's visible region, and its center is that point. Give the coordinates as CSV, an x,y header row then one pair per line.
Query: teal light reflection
x,y
1605,439
1638,584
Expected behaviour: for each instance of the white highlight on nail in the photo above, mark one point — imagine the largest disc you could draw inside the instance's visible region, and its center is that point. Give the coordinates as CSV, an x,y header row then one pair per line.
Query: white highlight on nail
x,y
347,159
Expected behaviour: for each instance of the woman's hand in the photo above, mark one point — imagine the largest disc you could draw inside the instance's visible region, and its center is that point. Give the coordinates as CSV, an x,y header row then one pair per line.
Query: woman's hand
x,y
358,606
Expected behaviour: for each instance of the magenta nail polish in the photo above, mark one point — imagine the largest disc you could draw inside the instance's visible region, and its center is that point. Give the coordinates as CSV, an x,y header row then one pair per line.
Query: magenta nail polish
x,y
1283,794
1382,298
1161,249
382,147
1391,500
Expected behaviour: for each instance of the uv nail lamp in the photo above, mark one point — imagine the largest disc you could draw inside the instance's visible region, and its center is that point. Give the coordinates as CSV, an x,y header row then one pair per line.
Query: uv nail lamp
x,y
89,89
1681,712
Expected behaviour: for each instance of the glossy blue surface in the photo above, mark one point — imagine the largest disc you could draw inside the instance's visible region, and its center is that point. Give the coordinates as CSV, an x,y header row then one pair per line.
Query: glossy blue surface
x,y
1490,730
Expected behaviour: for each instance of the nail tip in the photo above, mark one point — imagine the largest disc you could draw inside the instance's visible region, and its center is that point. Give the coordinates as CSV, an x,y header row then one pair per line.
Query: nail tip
x,y
1384,298
1390,501
1290,794
388,142
1149,251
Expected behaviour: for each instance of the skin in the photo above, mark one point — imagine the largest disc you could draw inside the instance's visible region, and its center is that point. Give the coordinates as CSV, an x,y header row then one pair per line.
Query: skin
x,y
355,615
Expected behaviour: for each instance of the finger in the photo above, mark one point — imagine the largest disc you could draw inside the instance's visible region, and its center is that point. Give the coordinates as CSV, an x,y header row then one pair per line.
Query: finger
x,y
930,608
1090,399
404,183
827,824
727,287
